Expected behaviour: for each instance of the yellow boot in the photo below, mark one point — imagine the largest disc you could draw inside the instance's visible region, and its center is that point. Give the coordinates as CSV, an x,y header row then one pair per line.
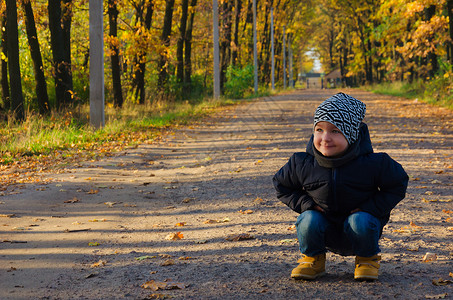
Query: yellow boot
x,y
310,267
367,268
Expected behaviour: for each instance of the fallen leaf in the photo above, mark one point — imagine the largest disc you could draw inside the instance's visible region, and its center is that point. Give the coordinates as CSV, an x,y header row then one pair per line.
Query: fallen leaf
x,y
158,296
7,215
292,227
429,256
145,257
414,225
73,200
187,200
288,241
99,264
110,204
168,262
93,191
449,220
440,296
93,244
239,237
174,236
97,220
440,282
258,200
180,224
447,211
19,228
163,285
210,221
154,285
413,248
246,212
185,258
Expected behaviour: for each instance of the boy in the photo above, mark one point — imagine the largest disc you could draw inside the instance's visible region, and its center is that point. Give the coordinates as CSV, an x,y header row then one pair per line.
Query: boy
x,y
342,190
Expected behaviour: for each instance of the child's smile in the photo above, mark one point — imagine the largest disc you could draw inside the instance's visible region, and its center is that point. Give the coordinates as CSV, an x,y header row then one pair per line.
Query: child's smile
x,y
329,140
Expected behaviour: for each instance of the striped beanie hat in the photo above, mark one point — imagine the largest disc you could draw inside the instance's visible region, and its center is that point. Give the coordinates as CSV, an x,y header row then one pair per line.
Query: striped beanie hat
x,y
343,111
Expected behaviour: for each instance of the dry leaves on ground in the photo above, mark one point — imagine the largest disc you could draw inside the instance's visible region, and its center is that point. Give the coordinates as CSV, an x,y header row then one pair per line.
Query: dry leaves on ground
x,y
174,236
239,237
163,285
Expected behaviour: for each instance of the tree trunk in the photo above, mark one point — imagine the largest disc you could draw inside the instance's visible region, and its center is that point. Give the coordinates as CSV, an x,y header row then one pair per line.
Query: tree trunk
x,y
432,57
187,88
59,25
237,15
265,55
4,64
165,39
114,57
180,43
450,17
41,85
140,58
225,42
17,98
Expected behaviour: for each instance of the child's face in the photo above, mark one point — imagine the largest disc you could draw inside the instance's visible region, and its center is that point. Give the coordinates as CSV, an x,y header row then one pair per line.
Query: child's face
x,y
329,140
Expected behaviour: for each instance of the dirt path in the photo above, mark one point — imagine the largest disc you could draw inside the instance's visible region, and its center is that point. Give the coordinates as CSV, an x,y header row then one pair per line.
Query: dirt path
x,y
100,229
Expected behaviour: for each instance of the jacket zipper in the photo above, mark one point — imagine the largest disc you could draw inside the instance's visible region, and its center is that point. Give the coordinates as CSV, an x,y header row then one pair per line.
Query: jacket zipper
x,y
334,188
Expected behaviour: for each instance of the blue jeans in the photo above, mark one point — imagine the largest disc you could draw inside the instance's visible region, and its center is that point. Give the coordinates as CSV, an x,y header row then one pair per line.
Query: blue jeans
x,y
359,234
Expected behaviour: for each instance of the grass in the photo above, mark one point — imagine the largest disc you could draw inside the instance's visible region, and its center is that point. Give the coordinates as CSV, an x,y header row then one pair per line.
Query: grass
x,y
399,89
68,134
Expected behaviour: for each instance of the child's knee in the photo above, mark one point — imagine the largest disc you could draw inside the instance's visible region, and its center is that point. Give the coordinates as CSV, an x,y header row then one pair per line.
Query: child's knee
x,y
362,222
310,220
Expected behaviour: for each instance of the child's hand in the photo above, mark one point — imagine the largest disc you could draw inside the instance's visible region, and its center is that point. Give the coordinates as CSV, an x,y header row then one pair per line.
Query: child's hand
x,y
319,208
355,210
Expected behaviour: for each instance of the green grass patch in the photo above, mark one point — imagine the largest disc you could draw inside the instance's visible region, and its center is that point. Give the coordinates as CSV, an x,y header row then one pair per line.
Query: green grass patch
x,y
66,134
438,91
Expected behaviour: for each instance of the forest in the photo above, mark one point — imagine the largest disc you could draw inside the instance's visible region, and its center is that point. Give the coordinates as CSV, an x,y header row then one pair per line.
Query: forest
x,y
161,50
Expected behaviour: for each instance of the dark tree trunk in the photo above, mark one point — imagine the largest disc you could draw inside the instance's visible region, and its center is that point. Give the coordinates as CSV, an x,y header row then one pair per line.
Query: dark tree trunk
x,y
140,59
432,57
165,39
114,57
237,15
41,85
4,65
180,43
265,55
225,49
17,98
450,17
187,89
59,25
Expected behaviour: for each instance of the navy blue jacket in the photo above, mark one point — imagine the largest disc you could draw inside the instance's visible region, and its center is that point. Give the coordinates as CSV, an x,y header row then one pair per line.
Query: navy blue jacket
x,y
360,178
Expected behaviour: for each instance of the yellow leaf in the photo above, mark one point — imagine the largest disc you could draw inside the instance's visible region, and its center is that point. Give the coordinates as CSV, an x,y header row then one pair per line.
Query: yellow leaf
x,y
93,244
180,224
246,212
